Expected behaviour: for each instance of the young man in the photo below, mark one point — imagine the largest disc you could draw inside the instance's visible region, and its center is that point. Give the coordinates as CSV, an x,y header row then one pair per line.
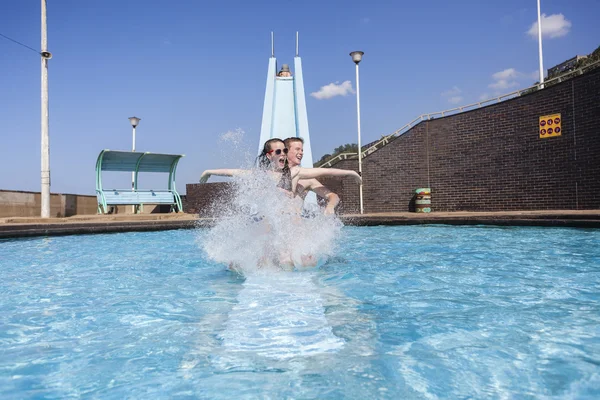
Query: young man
x,y
295,146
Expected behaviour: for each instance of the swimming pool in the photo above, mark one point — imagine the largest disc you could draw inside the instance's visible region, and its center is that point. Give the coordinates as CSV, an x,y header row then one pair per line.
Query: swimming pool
x,y
399,312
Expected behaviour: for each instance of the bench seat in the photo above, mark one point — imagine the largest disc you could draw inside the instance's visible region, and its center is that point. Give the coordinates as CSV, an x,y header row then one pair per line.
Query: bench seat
x,y
121,197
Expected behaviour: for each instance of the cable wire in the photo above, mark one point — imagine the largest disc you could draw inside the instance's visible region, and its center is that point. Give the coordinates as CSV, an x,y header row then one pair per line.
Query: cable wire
x,y
21,44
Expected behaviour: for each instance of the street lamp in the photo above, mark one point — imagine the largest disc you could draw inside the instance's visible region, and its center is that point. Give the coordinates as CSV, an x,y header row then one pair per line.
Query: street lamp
x,y
357,57
45,145
134,123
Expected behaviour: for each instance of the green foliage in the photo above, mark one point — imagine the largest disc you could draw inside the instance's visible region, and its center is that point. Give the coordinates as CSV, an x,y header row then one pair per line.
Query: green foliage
x,y
584,62
346,148
590,59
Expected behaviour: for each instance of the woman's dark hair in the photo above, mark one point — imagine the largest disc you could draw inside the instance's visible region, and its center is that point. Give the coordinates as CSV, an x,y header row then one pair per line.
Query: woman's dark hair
x,y
264,163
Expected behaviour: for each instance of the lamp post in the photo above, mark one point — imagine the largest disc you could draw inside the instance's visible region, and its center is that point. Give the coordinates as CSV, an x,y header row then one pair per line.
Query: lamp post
x,y
540,45
357,57
134,123
45,145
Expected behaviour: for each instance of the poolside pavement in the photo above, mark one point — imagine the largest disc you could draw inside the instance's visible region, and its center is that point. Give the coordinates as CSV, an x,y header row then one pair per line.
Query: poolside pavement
x,y
83,224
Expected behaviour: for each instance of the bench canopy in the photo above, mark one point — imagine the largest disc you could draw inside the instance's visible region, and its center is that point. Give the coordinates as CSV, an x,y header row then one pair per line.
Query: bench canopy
x,y
136,162
109,160
128,161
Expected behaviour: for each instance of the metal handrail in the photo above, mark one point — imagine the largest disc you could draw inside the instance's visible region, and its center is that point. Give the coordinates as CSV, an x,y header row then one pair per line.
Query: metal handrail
x,y
424,117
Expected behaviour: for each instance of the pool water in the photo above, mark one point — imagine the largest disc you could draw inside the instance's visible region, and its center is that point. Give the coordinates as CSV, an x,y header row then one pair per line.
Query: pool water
x,y
400,312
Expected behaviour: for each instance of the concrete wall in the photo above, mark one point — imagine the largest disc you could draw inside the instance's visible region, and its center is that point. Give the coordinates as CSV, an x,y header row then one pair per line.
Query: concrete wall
x,y
28,204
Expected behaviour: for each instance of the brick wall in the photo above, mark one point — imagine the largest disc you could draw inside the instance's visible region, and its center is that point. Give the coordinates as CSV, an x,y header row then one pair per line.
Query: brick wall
x,y
206,199
492,158
489,159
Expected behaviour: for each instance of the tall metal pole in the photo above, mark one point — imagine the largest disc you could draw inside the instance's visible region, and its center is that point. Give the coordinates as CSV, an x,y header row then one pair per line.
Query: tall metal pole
x,y
45,194
359,142
133,173
540,45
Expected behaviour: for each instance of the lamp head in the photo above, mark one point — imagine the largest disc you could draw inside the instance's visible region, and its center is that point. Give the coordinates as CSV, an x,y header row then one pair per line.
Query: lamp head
x,y
356,56
134,121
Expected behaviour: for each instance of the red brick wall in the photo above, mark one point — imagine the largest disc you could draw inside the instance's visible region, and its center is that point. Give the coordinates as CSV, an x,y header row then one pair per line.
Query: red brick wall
x,y
206,199
492,158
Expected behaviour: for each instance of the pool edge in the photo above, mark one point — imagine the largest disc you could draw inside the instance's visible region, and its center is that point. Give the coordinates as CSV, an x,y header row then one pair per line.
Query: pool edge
x,y
28,227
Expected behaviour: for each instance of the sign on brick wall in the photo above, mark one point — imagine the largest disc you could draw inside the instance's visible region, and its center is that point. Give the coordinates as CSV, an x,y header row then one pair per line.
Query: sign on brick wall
x,y
550,126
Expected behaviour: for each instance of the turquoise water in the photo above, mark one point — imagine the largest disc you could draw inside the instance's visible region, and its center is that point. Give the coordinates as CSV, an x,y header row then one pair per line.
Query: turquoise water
x,y
401,312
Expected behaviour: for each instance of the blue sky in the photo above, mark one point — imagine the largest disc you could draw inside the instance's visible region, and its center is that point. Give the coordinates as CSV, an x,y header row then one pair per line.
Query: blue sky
x,y
194,70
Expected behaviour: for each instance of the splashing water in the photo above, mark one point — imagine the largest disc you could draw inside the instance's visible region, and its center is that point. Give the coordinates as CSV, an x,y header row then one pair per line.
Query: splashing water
x,y
234,143
235,136
260,227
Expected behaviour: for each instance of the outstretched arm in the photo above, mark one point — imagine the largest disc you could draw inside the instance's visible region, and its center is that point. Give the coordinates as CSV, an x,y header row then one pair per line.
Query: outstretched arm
x,y
220,172
308,173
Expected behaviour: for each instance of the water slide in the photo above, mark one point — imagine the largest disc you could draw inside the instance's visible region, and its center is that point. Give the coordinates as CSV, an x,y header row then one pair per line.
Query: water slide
x,y
284,110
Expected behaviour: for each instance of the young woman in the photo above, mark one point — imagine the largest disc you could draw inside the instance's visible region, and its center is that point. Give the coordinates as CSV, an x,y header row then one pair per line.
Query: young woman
x,y
281,218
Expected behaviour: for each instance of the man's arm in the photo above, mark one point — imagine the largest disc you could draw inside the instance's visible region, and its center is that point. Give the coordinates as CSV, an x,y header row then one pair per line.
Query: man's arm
x,y
309,173
331,198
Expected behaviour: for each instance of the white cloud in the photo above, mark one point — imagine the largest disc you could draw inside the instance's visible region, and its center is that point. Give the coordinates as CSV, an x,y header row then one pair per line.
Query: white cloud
x,y
553,26
503,84
509,73
452,95
333,90
484,96
452,92
505,79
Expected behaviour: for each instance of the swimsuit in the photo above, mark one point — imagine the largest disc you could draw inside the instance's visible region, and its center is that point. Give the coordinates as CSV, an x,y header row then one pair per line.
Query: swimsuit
x,y
285,182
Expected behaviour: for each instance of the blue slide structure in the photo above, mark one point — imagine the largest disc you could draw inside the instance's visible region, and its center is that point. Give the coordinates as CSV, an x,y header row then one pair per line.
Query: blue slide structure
x,y
284,110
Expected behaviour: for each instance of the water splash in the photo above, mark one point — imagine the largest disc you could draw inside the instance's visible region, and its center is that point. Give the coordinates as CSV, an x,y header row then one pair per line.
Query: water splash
x,y
235,136
260,227
234,143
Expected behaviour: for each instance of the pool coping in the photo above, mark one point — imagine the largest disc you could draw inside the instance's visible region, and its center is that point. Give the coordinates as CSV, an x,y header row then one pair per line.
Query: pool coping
x,y
547,218
89,224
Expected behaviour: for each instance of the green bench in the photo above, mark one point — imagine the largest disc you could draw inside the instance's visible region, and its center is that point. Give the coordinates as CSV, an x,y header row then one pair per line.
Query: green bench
x,y
136,162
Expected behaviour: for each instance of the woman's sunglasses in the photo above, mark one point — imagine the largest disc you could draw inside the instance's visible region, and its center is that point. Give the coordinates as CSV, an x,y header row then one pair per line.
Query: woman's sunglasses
x,y
278,151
